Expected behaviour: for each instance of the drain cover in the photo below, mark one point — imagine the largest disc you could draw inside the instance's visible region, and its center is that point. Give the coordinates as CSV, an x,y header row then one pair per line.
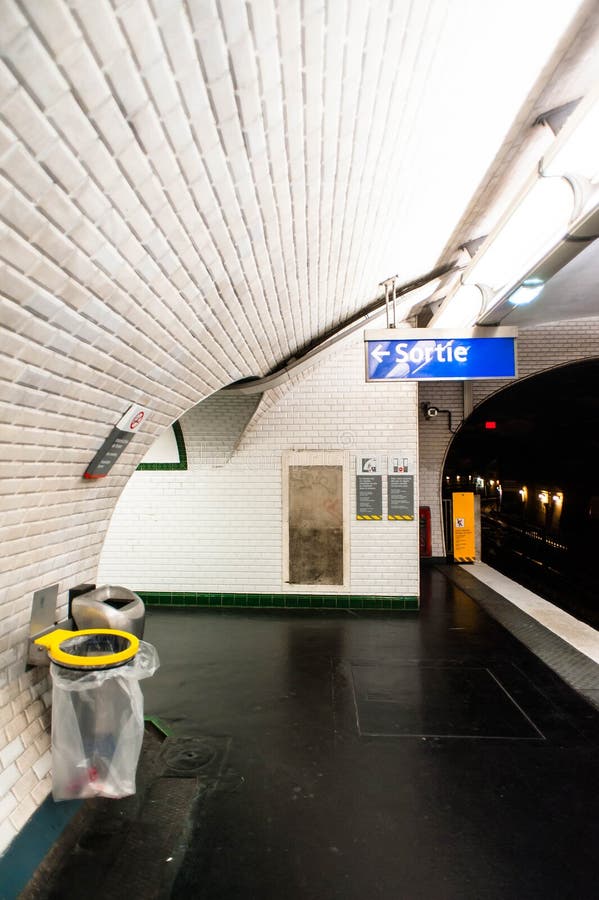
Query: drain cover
x,y
186,757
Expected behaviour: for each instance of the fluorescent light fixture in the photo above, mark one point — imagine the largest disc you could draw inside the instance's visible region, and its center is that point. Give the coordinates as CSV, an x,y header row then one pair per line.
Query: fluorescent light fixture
x,y
537,221
546,210
528,291
462,309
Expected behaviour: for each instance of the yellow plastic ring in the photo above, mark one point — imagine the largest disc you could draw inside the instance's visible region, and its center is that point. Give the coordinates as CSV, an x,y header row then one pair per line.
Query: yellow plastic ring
x,y
54,639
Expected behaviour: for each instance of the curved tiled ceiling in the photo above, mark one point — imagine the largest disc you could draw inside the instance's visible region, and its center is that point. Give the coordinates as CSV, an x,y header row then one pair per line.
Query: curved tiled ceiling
x,y
244,174
192,191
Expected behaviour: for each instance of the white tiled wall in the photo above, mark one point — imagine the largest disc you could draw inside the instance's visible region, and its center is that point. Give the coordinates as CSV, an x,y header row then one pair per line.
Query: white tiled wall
x,y
189,194
218,527
67,374
540,348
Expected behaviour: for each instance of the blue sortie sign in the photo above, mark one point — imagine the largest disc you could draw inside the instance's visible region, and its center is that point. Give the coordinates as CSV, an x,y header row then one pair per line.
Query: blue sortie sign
x,y
440,358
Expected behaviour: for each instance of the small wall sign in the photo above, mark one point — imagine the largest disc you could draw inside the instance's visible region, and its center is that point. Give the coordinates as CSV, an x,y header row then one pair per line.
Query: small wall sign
x,y
370,464
399,463
132,419
116,442
369,498
400,498
463,527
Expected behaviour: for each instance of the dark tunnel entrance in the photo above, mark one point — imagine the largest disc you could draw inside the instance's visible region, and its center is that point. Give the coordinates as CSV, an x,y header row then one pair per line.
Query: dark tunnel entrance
x,y
531,452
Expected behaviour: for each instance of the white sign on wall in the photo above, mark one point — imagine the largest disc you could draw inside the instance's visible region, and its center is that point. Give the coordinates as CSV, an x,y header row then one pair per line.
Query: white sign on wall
x,y
370,463
133,419
399,463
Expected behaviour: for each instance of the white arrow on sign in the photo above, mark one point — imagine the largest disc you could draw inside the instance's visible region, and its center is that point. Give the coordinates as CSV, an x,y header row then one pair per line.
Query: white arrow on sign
x,y
378,353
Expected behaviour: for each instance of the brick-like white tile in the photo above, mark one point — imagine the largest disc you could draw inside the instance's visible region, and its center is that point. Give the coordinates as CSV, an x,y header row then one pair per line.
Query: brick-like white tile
x,y
36,68
197,190
8,778
7,804
11,751
56,23
23,812
25,785
8,832
83,73
43,765
41,790
16,726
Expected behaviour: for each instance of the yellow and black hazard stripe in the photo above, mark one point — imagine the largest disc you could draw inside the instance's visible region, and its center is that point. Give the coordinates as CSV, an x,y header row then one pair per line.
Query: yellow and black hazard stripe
x,y
401,518
369,518
463,559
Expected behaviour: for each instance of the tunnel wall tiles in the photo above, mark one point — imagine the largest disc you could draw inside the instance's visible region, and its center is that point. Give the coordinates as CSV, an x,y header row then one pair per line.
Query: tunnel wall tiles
x,y
119,288
278,601
219,526
539,349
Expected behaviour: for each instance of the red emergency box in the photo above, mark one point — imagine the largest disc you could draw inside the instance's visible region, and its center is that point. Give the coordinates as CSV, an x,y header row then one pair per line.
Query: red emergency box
x,y
425,531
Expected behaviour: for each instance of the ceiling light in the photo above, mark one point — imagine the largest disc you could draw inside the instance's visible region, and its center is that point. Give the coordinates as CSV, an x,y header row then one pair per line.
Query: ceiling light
x,y
528,291
537,221
462,308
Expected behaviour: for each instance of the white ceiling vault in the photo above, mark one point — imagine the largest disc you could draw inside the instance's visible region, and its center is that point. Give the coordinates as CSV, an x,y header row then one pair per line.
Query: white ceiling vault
x,y
210,185
193,192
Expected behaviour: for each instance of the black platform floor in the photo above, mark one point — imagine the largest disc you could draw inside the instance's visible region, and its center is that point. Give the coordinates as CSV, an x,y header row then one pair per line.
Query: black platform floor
x,y
317,755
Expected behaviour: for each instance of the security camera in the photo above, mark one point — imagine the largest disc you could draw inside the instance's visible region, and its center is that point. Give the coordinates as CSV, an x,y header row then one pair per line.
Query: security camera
x,y
431,412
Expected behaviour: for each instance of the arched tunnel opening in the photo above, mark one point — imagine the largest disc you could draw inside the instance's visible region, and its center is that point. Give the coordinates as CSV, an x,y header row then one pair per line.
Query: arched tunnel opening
x,y
530,452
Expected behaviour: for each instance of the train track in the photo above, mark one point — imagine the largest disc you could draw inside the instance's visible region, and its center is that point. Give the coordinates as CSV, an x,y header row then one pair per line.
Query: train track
x,y
545,564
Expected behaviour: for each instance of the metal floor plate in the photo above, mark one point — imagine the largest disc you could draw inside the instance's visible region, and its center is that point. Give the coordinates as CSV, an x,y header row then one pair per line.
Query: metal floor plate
x,y
447,701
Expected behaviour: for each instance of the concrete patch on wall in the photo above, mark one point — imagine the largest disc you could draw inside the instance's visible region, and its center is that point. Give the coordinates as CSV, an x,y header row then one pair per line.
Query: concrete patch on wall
x,y
316,525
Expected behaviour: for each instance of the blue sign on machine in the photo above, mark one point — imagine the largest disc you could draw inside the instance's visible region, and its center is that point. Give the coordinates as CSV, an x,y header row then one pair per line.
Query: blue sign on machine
x,y
421,353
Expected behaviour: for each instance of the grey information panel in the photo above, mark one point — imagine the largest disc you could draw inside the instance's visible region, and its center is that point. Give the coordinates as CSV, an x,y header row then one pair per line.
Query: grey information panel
x,y
108,454
400,498
369,497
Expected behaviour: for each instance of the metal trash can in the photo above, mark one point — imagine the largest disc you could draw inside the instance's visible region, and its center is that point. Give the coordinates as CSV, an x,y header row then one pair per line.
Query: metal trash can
x,y
97,710
110,606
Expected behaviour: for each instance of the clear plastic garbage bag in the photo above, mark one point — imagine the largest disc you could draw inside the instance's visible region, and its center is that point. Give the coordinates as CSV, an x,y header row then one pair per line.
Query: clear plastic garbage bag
x,y
98,726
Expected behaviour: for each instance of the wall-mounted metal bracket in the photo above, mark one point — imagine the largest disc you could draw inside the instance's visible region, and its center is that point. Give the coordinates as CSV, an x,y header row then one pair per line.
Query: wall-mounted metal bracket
x,y
43,620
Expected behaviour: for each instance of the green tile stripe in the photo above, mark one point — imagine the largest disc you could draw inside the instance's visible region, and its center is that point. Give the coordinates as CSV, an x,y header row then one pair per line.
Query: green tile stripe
x,y
279,601
169,467
159,724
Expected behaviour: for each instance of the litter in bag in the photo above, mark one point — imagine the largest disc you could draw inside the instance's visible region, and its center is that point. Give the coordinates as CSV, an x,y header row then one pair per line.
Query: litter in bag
x,y
98,726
